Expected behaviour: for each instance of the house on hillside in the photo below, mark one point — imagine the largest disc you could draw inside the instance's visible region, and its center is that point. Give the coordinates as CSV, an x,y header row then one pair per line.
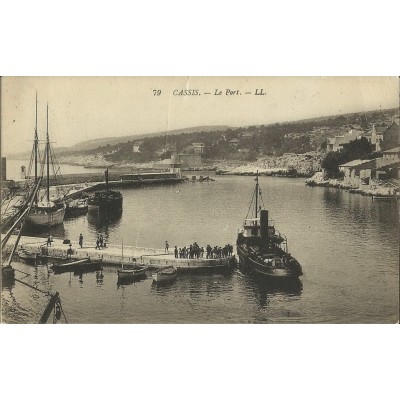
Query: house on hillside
x,y
384,137
358,172
198,147
247,135
392,154
190,160
336,143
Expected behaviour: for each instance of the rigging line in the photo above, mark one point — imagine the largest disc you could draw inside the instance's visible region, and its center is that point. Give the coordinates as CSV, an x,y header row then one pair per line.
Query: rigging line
x,y
22,272
262,200
251,203
33,287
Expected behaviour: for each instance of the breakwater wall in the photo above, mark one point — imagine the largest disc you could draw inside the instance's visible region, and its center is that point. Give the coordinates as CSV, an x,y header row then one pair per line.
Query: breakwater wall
x,y
112,254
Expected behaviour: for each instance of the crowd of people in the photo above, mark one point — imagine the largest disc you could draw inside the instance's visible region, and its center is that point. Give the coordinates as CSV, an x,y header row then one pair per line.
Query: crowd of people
x,y
196,251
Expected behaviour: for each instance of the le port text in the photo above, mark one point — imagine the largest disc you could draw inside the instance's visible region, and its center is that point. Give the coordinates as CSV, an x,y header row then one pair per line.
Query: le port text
x,y
214,92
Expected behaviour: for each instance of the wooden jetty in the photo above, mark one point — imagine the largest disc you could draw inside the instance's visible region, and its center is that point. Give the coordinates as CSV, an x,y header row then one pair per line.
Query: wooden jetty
x,y
112,254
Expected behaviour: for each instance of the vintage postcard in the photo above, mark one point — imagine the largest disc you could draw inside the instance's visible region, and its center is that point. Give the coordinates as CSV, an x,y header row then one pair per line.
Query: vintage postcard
x,y
208,200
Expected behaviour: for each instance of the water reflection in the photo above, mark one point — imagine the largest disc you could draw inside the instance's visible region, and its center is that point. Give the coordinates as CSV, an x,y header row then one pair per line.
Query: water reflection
x,y
102,221
263,290
44,231
206,284
99,277
163,287
129,280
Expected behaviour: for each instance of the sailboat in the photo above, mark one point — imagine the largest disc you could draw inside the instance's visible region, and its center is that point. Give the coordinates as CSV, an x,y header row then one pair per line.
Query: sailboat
x,y
108,200
132,271
45,213
262,249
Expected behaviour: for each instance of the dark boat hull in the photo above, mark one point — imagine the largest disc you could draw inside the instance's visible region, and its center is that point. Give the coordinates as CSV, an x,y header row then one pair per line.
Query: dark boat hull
x,y
278,275
75,211
79,266
105,201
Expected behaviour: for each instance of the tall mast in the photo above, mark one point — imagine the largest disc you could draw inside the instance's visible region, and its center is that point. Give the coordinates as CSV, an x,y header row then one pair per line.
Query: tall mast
x,y
256,194
48,154
36,150
36,142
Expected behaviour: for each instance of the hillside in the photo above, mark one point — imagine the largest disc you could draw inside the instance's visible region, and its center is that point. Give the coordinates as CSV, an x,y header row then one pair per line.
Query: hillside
x,y
92,144
251,141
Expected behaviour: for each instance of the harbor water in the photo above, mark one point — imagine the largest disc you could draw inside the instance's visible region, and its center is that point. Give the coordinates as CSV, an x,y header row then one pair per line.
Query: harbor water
x,y
348,246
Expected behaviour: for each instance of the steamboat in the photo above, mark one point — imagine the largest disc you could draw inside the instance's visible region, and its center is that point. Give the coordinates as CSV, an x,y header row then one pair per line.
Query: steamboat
x,y
262,248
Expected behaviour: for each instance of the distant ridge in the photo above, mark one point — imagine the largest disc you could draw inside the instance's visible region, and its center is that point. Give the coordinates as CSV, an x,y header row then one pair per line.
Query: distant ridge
x,y
93,143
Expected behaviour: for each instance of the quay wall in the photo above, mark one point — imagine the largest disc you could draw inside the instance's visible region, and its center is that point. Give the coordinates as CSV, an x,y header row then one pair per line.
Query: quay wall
x,y
114,180
154,258
187,263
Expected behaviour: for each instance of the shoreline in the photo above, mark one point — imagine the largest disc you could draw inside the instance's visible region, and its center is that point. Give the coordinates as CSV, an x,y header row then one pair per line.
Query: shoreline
x,y
375,189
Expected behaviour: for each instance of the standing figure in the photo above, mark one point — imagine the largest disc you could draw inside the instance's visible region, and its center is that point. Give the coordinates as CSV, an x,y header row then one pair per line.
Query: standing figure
x,y
166,247
80,240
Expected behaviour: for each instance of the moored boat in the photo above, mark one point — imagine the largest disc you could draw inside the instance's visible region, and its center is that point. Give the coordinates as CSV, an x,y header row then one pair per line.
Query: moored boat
x,y
263,249
76,207
165,274
83,265
28,256
108,200
45,213
382,197
132,271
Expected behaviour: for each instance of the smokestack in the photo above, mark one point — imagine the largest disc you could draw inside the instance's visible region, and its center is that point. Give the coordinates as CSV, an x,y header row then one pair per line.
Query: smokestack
x,y
264,227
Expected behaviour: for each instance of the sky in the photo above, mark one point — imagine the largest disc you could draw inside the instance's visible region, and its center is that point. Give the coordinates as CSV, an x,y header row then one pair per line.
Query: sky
x,y
86,108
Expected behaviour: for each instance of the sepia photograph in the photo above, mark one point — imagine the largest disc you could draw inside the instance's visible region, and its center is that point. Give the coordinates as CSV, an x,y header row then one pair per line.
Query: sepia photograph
x,y
200,200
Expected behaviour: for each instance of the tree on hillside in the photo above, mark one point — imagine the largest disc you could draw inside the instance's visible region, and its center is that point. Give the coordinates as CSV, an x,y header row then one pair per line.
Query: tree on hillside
x,y
331,164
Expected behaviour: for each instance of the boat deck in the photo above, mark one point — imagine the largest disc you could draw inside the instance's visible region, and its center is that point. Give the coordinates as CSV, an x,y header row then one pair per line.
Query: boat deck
x,y
112,254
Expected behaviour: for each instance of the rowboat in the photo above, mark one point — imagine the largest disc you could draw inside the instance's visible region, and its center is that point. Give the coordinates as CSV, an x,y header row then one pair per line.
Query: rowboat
x,y
28,256
165,274
83,265
384,197
132,271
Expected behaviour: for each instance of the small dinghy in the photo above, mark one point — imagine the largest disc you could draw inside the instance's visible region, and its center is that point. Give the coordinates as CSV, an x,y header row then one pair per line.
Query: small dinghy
x,y
28,256
132,271
165,274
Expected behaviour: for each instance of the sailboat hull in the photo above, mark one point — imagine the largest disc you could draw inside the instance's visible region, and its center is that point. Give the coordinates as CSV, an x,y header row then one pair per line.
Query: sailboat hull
x,y
50,218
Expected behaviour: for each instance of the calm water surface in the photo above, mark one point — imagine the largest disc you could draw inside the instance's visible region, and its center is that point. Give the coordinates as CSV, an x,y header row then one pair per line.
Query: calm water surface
x,y
347,244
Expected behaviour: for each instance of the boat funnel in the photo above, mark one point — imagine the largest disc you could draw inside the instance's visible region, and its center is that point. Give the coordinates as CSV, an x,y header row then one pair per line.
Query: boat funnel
x,y
264,227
